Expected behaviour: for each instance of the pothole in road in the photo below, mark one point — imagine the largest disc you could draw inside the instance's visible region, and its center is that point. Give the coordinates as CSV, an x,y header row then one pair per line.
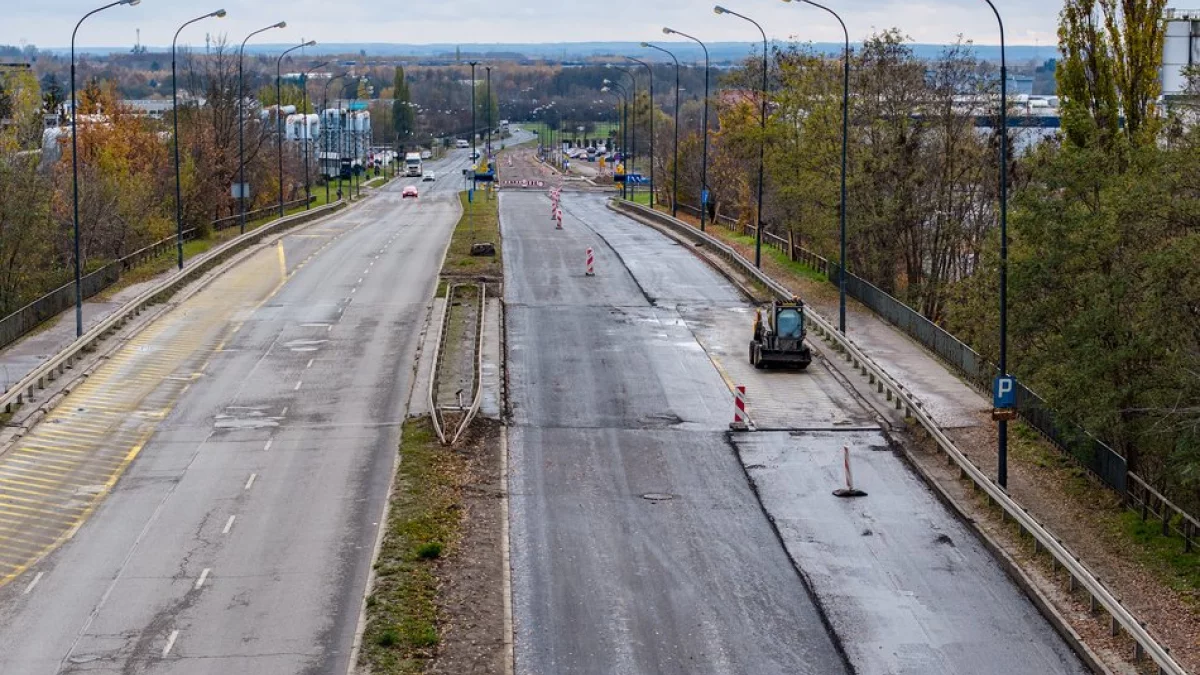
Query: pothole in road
x,y
658,496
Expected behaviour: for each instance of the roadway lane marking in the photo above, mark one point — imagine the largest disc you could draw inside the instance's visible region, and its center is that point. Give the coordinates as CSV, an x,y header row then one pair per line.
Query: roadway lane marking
x,y
310,362
203,578
170,642
282,260
284,413
353,289
33,583
250,481
268,444
298,383
228,525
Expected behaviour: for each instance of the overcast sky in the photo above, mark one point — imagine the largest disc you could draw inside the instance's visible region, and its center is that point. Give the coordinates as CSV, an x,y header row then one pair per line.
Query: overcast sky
x,y
48,23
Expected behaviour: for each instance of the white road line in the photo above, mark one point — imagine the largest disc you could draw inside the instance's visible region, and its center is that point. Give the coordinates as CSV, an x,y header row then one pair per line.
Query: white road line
x,y
298,383
170,642
250,481
33,583
354,289
359,281
268,444
228,525
310,362
200,581
329,329
285,409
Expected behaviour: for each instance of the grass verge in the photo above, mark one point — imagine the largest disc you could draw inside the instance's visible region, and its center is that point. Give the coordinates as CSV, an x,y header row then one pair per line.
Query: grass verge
x,y
480,222
423,526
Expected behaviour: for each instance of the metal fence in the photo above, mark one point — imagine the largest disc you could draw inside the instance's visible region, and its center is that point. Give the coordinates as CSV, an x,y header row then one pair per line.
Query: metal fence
x,y
14,326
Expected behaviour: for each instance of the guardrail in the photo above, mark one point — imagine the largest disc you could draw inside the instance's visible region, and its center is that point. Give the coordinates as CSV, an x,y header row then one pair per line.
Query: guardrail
x,y
897,394
20,322
25,389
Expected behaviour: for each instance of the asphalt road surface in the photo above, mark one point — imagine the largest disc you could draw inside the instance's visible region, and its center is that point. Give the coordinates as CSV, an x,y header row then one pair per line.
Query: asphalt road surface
x,y
638,546
248,437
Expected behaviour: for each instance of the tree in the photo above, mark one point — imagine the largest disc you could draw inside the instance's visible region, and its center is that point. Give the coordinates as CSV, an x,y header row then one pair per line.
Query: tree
x,y
52,93
403,117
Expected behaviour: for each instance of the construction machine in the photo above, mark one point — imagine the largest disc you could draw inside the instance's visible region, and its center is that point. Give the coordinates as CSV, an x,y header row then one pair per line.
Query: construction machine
x,y
779,340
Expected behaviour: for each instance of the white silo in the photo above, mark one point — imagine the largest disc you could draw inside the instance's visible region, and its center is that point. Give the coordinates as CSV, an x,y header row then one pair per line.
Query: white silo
x,y
1181,49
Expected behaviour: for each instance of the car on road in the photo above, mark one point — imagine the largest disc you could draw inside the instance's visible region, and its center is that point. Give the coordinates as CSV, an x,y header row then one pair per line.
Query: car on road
x,y
475,154
429,176
409,191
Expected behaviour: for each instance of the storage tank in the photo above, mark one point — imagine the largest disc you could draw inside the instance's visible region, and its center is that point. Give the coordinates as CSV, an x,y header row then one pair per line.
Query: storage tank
x,y
1181,48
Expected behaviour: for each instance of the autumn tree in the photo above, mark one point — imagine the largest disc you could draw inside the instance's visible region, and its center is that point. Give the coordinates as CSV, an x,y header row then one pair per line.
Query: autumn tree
x,y
403,117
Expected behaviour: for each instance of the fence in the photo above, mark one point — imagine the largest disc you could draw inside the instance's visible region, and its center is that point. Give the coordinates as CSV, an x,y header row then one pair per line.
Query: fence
x,y
19,323
1096,456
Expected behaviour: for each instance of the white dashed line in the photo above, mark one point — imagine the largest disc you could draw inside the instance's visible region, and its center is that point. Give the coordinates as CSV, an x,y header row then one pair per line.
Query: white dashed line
x,y
33,583
228,525
285,409
295,388
310,362
170,642
250,481
201,580
268,444
354,289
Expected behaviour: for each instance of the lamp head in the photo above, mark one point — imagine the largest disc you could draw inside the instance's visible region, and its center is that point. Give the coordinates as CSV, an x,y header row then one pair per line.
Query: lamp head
x,y
645,45
220,14
667,31
131,3
310,43
281,24
719,10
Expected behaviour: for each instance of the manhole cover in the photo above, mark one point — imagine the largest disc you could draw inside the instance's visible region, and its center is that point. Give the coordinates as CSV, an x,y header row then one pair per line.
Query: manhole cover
x,y
657,496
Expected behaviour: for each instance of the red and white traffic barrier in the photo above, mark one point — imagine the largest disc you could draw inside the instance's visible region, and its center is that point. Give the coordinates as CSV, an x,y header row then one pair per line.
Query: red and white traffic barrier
x,y
739,409
591,270
558,220
849,490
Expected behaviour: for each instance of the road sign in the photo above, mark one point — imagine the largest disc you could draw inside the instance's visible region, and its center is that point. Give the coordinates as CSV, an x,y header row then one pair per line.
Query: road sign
x,y
1004,392
704,196
240,191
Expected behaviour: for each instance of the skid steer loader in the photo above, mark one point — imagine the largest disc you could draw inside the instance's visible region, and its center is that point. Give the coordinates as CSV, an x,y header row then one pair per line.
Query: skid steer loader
x,y
779,341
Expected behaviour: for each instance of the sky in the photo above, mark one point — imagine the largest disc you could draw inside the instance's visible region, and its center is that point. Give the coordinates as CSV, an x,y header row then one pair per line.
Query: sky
x,y
48,23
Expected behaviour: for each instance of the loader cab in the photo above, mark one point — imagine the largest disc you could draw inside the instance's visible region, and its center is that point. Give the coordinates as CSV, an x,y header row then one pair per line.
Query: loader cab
x,y
779,340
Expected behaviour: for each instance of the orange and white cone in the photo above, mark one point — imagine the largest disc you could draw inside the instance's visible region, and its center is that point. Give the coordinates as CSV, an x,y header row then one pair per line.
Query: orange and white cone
x,y
739,409
849,490
591,270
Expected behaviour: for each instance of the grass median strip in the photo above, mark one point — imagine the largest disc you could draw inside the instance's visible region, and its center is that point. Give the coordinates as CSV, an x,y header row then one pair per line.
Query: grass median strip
x,y
480,223
423,525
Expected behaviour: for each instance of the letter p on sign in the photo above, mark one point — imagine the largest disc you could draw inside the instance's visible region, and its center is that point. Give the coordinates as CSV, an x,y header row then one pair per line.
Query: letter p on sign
x,y
1004,392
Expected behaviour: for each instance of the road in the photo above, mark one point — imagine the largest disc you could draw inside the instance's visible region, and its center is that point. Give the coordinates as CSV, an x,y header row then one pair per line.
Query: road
x,y
223,474
638,544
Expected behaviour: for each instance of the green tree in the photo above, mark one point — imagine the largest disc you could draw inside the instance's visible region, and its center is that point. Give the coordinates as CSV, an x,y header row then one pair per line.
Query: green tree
x,y
403,119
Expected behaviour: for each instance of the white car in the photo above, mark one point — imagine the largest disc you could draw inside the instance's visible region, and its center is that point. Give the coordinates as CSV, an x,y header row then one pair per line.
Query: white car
x,y
429,176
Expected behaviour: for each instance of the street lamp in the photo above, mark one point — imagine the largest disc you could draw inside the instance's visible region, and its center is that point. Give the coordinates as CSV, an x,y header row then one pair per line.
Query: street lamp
x,y
845,134
243,189
473,64
631,166
308,134
704,150
219,14
488,145
279,113
762,147
325,134
75,166
624,124
1002,449
651,72
675,180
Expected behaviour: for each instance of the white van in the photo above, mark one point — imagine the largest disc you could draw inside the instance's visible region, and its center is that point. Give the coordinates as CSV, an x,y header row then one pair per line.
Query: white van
x,y
461,143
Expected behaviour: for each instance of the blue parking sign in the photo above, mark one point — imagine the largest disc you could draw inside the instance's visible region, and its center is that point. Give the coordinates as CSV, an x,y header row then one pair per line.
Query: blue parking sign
x,y
1004,392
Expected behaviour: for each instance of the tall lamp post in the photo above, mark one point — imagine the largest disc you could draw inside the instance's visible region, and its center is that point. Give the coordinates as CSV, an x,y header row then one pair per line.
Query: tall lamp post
x,y
762,147
617,89
243,190
279,112
1002,449
325,133
308,134
845,134
488,145
75,165
704,151
650,72
675,179
220,13
632,94
473,64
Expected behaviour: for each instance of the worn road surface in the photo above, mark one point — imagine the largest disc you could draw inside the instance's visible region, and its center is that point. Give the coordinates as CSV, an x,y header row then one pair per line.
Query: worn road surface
x,y
207,502
638,545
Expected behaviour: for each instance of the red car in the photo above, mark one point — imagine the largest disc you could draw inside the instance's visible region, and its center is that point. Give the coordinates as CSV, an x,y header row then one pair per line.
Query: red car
x,y
409,191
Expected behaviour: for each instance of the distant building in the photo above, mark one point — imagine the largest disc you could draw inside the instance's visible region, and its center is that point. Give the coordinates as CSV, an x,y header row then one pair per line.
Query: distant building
x,y
1181,49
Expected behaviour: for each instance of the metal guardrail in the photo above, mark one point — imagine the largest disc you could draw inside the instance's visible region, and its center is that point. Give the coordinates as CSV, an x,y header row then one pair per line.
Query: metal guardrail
x,y
52,369
21,321
1044,540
